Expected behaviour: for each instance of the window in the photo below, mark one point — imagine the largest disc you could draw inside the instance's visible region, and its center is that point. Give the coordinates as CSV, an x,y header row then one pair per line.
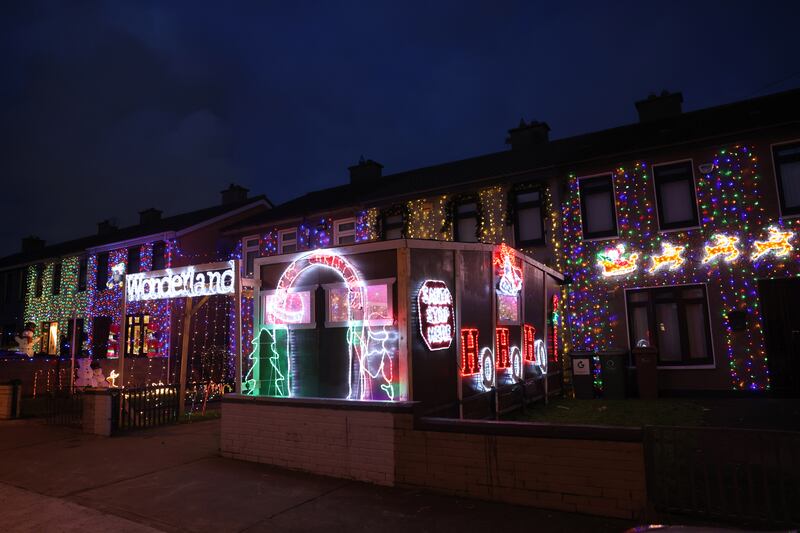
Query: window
x,y
674,320
675,195
83,271
344,231
102,271
598,215
50,341
249,252
528,226
787,173
296,312
134,259
66,340
392,226
56,287
288,241
39,282
136,335
159,255
377,305
465,221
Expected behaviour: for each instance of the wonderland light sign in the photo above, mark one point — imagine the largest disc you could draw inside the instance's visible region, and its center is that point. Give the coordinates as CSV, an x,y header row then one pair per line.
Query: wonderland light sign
x,y
186,282
436,321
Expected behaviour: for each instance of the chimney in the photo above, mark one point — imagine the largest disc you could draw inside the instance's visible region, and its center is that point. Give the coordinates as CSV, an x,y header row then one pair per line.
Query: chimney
x,y
365,170
656,107
31,243
234,194
149,216
105,227
528,135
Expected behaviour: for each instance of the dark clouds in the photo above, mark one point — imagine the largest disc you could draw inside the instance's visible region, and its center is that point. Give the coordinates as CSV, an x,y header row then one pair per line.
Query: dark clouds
x,y
111,107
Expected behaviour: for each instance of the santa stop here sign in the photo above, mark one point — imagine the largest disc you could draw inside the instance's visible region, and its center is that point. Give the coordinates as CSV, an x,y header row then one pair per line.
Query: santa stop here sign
x,y
436,321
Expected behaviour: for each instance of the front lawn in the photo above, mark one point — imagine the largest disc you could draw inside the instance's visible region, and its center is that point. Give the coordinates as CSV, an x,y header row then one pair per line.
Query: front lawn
x,y
662,412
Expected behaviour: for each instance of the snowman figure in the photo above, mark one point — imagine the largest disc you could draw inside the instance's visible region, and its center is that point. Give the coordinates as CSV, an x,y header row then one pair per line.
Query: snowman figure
x,y
85,373
98,379
26,341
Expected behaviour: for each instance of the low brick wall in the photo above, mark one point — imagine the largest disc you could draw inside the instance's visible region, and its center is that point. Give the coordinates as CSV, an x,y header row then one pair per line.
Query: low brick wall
x,y
352,440
9,404
596,471
572,468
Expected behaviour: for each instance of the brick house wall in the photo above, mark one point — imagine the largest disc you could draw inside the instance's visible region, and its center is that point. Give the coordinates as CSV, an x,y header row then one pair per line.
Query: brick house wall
x,y
598,471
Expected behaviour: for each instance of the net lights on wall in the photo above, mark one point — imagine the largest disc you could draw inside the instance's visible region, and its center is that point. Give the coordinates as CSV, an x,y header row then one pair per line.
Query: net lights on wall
x,y
733,226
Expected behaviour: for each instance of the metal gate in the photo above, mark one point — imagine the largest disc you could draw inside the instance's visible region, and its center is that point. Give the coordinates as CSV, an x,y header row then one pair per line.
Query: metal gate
x,y
144,407
64,408
751,476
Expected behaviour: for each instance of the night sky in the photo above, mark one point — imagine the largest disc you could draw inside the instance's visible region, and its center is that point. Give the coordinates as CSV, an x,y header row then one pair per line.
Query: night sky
x,y
111,107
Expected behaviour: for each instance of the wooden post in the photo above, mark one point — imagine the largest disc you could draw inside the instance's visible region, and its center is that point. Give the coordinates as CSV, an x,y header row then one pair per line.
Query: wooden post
x,y
121,341
72,351
188,313
459,282
237,380
404,322
187,326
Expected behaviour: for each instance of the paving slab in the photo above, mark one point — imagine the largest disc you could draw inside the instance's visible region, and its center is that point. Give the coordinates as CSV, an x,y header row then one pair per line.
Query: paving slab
x,y
172,479
23,511
213,494
76,462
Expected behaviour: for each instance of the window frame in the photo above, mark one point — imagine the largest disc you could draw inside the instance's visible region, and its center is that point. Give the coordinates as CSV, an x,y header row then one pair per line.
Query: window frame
x,y
686,361
145,320
38,283
457,216
104,276
527,205
245,250
385,226
312,297
163,255
585,234
338,234
55,286
388,282
133,252
783,209
282,242
680,225
83,273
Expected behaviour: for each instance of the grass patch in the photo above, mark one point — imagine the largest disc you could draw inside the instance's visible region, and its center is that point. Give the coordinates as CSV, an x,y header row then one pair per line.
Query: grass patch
x,y
636,413
211,414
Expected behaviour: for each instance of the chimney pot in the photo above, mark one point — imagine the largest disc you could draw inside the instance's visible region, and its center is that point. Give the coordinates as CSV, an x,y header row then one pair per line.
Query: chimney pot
x,y
106,227
365,170
528,135
234,194
149,215
32,243
657,107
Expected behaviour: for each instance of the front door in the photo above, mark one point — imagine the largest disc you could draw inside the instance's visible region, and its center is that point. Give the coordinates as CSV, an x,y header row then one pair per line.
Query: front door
x,y
781,322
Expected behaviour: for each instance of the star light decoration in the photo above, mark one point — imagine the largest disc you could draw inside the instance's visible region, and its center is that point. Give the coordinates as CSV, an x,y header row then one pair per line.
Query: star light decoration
x,y
721,246
777,244
671,258
615,261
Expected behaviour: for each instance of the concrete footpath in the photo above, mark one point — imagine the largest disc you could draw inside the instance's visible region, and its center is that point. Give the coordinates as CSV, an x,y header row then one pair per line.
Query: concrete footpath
x,y
173,479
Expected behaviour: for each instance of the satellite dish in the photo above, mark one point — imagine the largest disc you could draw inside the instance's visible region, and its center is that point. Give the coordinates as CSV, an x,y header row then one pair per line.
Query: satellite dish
x,y
705,168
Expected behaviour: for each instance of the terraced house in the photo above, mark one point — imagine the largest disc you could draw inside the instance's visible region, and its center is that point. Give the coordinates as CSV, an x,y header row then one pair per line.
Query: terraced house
x,y
675,233
73,293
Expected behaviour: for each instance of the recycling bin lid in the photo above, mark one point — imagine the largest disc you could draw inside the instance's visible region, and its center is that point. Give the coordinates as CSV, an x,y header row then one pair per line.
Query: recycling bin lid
x,y
613,351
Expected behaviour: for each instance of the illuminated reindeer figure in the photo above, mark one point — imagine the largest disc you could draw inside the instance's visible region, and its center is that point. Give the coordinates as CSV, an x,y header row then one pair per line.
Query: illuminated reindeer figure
x,y
723,245
671,257
777,243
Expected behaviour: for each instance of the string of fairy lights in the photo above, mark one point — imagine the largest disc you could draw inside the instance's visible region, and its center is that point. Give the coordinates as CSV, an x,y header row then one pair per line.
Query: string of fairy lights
x,y
735,245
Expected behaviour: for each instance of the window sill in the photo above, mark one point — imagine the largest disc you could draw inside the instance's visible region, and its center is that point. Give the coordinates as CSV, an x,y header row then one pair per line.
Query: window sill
x,y
687,367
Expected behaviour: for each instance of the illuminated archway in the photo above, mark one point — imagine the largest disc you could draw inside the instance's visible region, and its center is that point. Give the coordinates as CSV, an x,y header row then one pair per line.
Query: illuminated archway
x,y
369,356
